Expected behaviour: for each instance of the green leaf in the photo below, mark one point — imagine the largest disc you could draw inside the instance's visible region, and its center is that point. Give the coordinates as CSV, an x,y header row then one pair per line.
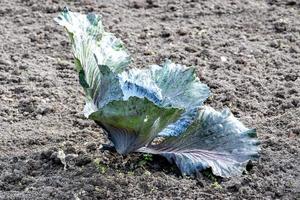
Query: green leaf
x,y
133,123
90,40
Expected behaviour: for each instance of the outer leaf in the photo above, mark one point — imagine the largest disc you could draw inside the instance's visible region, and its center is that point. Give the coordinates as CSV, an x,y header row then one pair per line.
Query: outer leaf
x,y
178,127
179,85
138,83
89,40
133,123
110,90
216,140
170,85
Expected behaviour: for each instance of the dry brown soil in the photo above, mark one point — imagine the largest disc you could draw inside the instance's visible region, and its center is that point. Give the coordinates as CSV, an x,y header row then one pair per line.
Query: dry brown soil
x,y
247,51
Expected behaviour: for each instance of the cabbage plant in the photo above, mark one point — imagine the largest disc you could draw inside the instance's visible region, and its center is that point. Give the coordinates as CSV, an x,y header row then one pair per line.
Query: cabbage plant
x,y
158,109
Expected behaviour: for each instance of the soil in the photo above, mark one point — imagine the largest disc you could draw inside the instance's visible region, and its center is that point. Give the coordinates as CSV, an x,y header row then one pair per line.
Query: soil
x,y
248,52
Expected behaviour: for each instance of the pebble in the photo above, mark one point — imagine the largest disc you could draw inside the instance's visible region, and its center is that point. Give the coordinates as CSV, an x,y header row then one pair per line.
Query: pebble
x,y
91,146
83,160
235,187
280,26
55,158
190,49
137,4
165,34
182,32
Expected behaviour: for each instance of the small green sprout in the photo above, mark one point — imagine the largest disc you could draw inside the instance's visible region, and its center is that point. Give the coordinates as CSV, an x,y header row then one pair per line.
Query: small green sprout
x,y
130,173
100,166
148,157
216,185
210,175
145,159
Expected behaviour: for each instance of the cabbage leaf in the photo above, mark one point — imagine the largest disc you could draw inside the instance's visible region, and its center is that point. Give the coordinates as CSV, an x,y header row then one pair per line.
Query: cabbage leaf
x,y
215,140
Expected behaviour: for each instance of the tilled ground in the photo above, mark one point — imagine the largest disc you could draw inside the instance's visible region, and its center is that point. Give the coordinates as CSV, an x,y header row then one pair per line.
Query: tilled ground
x,y
248,52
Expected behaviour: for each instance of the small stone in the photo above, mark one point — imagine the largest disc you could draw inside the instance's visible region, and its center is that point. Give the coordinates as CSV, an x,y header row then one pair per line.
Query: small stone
x,y
32,164
33,37
71,159
275,44
165,34
205,43
137,4
182,32
26,55
23,66
214,66
200,183
43,109
190,49
292,91
294,50
296,130
16,72
223,58
291,77
27,180
83,160
89,188
295,102
52,9
91,146
152,4
280,26
70,150
172,8
55,159
15,159
234,187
